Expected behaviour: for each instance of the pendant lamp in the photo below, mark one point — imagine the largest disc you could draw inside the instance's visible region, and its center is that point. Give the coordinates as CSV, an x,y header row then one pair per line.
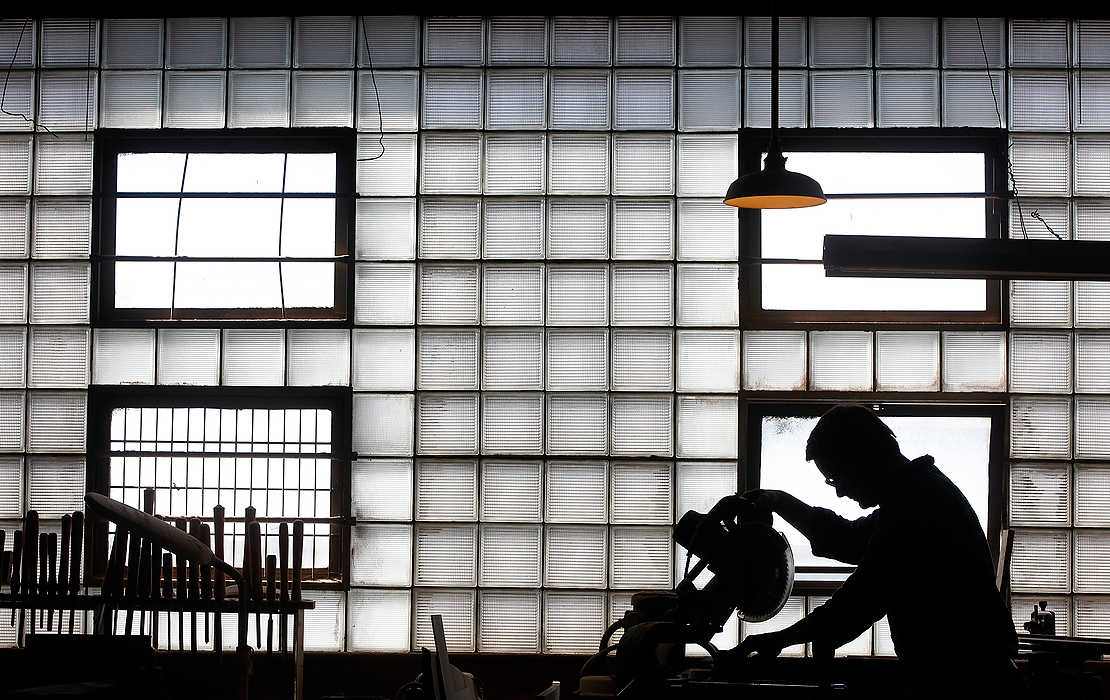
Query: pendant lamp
x,y
774,187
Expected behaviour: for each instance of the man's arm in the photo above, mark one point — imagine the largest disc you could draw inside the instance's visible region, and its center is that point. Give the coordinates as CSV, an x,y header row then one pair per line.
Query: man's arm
x,y
829,534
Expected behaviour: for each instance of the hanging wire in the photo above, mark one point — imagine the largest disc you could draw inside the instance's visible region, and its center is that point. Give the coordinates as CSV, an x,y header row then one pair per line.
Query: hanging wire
x,y
4,92
377,98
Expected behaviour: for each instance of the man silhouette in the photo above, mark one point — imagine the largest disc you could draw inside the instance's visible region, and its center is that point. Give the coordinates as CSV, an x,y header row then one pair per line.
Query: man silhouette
x,y
921,559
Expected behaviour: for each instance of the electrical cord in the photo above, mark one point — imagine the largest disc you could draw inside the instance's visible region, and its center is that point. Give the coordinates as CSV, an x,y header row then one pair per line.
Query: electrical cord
x,y
7,75
377,97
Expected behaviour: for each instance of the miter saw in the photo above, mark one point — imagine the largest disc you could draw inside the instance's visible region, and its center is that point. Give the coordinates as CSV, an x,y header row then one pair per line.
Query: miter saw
x,y
753,573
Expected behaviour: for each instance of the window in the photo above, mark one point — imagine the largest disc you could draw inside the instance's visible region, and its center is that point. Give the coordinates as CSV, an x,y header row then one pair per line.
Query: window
x,y
281,451
884,186
224,226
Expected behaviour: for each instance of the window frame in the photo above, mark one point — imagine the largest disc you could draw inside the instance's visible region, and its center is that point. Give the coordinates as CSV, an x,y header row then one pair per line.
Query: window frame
x,y
111,142
997,466
992,143
104,399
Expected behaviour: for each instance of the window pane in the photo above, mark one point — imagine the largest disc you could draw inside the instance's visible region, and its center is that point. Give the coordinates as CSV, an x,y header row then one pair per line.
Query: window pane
x,y
843,173
234,172
795,286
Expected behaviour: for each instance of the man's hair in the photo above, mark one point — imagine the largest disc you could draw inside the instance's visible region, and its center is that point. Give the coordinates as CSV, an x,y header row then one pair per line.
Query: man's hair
x,y
851,431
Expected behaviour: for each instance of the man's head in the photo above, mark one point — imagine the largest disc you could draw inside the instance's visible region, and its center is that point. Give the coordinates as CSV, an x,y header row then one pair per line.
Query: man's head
x,y
853,449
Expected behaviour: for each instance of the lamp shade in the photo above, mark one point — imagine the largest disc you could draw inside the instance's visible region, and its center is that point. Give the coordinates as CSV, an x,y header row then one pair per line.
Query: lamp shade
x,y
775,187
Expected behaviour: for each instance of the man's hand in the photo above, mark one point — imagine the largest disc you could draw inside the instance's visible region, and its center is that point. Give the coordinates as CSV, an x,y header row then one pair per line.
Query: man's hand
x,y
768,499
763,646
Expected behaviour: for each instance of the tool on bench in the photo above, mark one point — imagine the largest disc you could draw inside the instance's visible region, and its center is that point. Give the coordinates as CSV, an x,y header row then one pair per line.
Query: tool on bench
x,y
145,564
30,559
62,588
194,586
205,536
113,579
218,575
17,564
181,572
298,551
44,563
271,593
254,534
167,594
283,564
51,576
78,541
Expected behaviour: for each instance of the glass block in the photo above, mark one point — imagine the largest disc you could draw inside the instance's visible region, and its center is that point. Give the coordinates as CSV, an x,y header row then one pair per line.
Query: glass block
x,y
258,98
131,99
645,41
1041,164
642,425
572,622
457,610
449,227
509,621
397,92
393,41
62,228
381,489
974,361
18,41
253,357
708,361
447,424
60,293
1092,494
512,228
189,356
792,41
509,556
63,165
574,557
55,486
514,164
643,164
1092,363
793,99
15,164
511,491
1040,363
59,357
382,424
13,357
19,102
708,295
1040,303
1040,561
1090,151
512,423
381,555
319,357
577,424
124,356
512,294
446,490
261,42
196,42
580,41
707,427
385,229
516,99
580,99
909,42
577,228
641,493
1092,99
578,164
1054,211
966,37
452,99
194,99
450,163
1092,616
907,360
577,295
577,360
1091,415
324,42
1041,42
643,99
969,101
839,42
387,168
11,421
841,98
641,557
576,492
706,230
642,360
517,41
1039,101
708,100
69,42
841,360
1092,304
709,41
643,295
1040,494
908,98
13,293
445,555
56,421
456,41
323,98
11,487
1040,427
448,294
512,359
701,484
379,620
447,359
705,163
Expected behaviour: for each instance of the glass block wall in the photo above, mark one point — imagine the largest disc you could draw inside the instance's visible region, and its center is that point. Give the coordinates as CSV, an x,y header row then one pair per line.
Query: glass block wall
x,y
547,357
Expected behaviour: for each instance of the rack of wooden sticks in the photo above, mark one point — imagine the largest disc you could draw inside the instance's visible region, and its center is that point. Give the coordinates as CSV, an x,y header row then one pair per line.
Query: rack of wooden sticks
x,y
142,583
